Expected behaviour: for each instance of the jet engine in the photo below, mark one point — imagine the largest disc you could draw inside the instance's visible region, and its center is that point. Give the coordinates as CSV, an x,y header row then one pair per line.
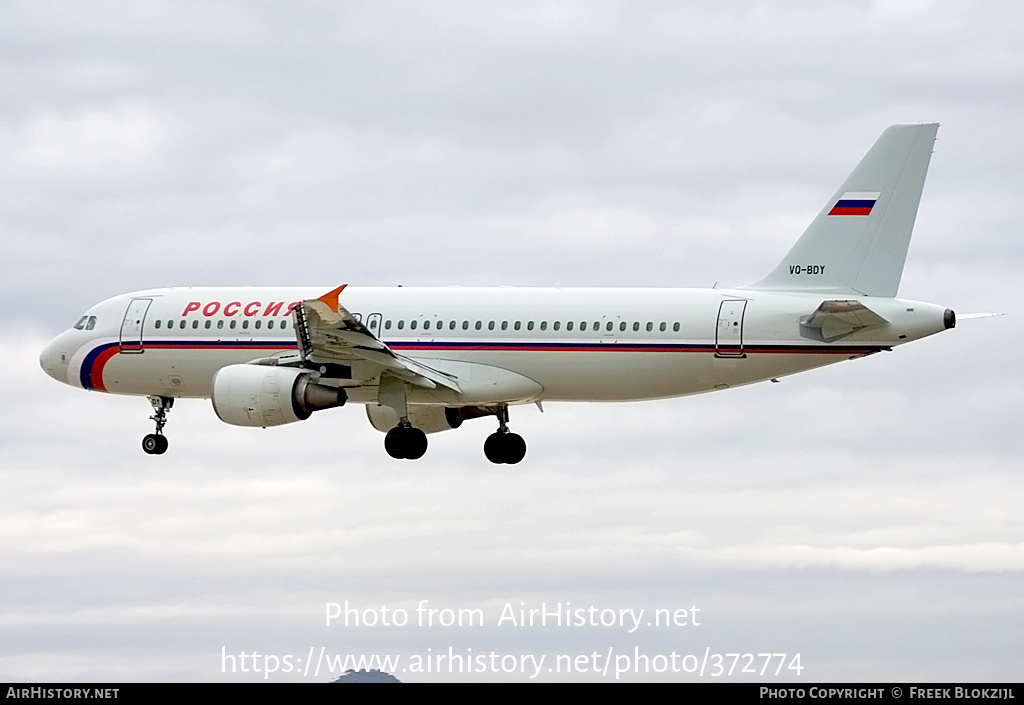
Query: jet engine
x,y
264,395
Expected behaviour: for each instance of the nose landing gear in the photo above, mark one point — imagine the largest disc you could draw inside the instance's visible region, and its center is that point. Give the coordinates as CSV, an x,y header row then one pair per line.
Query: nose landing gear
x,y
156,443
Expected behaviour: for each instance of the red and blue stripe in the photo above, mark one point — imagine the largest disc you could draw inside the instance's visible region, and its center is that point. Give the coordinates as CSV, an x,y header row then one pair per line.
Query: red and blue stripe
x,y
91,375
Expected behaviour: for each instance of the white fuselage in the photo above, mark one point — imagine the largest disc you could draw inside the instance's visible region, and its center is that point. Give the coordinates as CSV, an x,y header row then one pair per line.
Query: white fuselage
x,y
576,344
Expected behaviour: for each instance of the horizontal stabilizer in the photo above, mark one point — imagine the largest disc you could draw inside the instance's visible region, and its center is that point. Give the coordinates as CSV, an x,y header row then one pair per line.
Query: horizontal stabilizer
x,y
833,320
967,316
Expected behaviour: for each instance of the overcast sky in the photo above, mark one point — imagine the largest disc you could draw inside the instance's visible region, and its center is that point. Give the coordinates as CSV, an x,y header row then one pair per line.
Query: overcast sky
x,y
867,516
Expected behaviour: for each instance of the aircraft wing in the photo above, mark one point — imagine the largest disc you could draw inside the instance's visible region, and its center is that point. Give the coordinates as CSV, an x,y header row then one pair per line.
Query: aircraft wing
x,y
833,320
329,334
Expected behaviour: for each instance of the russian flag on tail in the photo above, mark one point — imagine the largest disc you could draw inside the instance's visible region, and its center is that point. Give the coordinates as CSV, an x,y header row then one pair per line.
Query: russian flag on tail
x,y
855,203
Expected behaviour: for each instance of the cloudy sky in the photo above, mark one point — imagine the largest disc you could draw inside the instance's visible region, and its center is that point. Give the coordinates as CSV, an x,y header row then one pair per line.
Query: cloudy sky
x,y
867,516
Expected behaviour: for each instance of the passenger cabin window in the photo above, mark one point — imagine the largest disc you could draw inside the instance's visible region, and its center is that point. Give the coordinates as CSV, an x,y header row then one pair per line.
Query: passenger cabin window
x,y
157,323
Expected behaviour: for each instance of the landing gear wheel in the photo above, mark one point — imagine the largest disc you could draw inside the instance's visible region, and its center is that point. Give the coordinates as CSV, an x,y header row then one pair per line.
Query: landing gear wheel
x,y
154,444
405,443
493,448
394,443
505,448
515,448
415,443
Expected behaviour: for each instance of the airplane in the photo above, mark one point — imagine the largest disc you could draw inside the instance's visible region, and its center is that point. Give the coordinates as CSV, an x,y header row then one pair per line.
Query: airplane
x,y
424,360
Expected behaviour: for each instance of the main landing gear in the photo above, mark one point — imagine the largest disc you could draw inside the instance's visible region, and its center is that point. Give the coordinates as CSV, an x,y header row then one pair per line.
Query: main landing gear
x,y
503,446
156,443
405,442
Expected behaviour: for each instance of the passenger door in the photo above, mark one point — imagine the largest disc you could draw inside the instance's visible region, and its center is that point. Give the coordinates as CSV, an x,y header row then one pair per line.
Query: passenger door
x,y
729,332
131,326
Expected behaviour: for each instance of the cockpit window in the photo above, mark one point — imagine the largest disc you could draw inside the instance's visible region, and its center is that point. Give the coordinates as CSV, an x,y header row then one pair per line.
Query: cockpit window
x,y
81,323
91,324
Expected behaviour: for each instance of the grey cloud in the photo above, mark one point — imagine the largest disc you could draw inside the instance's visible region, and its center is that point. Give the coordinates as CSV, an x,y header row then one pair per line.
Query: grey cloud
x,y
865,514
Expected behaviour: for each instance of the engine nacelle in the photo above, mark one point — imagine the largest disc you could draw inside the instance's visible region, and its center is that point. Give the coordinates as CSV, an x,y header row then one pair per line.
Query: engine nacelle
x,y
429,419
264,395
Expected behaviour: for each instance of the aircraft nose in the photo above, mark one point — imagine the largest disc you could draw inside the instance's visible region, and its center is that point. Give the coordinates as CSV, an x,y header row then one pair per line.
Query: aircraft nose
x,y
54,360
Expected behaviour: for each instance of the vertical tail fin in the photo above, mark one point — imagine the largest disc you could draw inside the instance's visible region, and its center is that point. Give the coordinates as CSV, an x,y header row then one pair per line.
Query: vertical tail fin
x,y
858,242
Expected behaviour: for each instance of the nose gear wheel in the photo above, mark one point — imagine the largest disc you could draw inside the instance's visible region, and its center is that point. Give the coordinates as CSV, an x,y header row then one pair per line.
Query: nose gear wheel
x,y
156,443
